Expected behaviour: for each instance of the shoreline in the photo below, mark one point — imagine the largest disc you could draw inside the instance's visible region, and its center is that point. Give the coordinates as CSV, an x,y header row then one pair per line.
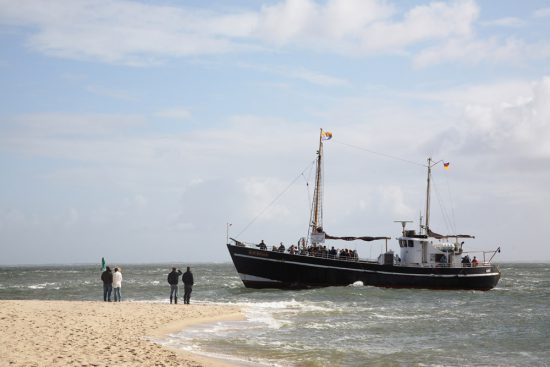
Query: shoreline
x,y
96,333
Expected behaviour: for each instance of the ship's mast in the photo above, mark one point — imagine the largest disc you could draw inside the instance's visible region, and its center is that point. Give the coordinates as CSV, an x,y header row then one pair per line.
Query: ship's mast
x,y
431,164
427,213
317,215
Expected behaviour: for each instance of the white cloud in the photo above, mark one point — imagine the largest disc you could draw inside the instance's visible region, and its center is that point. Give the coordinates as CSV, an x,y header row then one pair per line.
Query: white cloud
x,y
484,94
134,33
317,78
394,198
71,217
302,74
542,13
519,127
59,124
508,121
422,23
142,187
504,22
118,31
110,92
176,113
474,51
287,20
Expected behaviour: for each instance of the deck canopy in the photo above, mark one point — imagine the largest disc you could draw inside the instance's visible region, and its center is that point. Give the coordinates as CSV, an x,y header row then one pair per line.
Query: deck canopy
x,y
349,238
440,236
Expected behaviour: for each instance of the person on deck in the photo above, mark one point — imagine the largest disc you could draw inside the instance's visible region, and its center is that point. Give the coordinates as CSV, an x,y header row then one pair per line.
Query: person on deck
x,y
474,262
282,248
107,278
262,245
173,279
188,282
117,284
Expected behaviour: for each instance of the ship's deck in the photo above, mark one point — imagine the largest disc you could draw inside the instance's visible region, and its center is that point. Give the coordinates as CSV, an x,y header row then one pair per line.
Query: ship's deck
x,y
325,255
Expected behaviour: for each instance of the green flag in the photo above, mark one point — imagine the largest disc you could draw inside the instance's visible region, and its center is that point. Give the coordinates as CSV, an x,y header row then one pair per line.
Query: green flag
x,y
102,264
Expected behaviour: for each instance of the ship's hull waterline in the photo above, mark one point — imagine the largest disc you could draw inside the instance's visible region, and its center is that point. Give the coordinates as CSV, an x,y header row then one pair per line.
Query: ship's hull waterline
x,y
271,269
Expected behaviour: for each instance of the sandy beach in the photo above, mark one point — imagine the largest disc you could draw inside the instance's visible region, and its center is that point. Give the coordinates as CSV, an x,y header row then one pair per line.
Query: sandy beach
x,y
73,333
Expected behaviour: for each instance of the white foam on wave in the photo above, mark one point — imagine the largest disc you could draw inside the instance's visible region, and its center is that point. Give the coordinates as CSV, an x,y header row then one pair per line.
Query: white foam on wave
x,y
261,316
291,305
178,341
42,286
398,317
189,340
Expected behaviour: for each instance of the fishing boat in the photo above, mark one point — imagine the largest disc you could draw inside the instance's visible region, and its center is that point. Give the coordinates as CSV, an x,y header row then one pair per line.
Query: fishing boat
x,y
426,259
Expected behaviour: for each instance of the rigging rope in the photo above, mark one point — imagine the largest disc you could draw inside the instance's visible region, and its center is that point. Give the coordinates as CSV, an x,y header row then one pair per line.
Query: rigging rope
x,y
449,220
446,218
453,219
380,154
309,205
276,198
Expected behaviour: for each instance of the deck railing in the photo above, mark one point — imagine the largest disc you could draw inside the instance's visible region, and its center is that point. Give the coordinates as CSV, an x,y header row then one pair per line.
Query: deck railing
x,y
325,255
303,252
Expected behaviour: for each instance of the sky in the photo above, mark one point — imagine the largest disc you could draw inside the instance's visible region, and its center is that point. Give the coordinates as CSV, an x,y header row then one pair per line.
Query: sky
x,y
138,130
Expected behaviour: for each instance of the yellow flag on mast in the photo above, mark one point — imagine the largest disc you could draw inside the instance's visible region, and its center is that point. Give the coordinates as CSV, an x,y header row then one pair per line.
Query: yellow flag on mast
x,y
446,165
326,135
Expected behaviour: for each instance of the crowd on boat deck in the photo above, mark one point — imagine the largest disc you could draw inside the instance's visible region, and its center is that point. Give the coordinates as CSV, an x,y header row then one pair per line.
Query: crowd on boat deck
x,y
313,250
467,263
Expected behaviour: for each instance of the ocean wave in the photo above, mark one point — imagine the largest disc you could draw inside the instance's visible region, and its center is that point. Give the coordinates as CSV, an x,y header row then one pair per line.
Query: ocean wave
x,y
289,305
259,315
334,326
42,286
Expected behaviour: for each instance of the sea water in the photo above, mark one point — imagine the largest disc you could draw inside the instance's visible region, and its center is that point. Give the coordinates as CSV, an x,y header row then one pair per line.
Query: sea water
x,y
336,326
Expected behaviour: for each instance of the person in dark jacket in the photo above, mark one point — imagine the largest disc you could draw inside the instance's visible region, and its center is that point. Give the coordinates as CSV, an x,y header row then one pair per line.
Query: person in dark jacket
x,y
188,282
262,245
107,278
173,279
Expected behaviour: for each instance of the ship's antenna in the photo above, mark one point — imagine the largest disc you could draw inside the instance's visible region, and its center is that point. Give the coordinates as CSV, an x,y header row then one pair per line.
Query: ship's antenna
x,y
403,224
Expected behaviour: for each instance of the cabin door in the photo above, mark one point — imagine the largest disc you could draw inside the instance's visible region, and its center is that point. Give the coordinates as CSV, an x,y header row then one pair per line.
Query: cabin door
x,y
424,252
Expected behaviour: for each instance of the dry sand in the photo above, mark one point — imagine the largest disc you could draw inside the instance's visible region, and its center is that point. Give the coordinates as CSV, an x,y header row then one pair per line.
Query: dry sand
x,y
71,333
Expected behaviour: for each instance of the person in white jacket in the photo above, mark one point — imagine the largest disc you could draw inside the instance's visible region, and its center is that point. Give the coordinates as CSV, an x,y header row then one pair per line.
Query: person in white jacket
x,y
117,284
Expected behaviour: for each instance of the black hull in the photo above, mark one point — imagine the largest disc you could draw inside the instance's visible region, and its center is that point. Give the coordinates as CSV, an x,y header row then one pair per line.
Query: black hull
x,y
270,269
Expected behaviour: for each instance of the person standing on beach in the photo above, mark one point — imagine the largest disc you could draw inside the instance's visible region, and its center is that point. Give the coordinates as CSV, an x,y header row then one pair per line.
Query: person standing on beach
x,y
107,278
117,284
188,282
173,279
